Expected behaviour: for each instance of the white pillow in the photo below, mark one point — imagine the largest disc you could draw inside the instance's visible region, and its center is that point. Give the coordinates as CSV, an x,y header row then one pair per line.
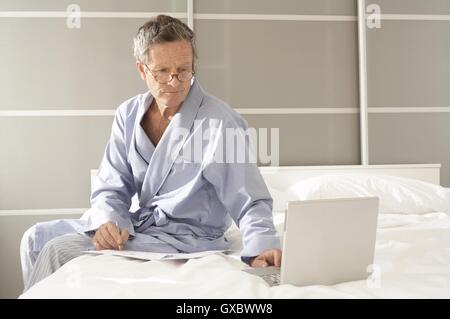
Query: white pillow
x,y
280,199
396,194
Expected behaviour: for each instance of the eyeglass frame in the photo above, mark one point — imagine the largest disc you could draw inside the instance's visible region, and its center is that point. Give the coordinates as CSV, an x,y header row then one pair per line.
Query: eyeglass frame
x,y
171,75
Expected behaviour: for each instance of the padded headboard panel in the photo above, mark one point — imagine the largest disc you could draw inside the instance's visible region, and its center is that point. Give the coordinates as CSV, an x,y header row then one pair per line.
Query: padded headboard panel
x,y
284,176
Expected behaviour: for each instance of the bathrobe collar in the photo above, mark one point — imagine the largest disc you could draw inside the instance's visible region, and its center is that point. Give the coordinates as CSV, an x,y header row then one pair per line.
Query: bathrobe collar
x,y
161,158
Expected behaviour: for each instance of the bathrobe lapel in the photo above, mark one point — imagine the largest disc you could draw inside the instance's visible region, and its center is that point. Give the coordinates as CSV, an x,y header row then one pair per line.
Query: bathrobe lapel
x,y
169,147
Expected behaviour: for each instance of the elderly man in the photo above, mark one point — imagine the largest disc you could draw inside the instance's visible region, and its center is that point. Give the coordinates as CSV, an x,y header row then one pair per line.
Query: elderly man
x,y
187,198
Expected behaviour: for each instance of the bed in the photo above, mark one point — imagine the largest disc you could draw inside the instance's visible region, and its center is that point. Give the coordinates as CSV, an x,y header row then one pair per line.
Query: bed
x,y
412,254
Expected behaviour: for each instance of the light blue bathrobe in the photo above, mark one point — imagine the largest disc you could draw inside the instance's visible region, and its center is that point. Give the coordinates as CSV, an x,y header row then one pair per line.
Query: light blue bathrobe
x,y
187,197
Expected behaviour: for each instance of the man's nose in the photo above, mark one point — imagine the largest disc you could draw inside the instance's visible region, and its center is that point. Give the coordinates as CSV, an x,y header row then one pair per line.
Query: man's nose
x,y
174,81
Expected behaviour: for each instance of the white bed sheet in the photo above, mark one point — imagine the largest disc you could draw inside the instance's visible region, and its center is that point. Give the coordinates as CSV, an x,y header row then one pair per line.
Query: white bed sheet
x,y
412,257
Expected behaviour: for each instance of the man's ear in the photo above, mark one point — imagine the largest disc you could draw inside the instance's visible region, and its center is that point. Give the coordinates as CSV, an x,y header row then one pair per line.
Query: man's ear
x,y
141,70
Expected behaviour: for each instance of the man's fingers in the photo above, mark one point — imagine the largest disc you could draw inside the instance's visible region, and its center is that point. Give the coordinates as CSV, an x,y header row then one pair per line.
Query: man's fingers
x,y
265,259
102,243
277,257
106,236
114,232
259,263
269,257
94,242
273,257
124,235
98,246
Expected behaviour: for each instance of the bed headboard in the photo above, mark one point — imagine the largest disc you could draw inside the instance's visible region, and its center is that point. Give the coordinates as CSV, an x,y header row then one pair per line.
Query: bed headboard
x,y
284,176
281,177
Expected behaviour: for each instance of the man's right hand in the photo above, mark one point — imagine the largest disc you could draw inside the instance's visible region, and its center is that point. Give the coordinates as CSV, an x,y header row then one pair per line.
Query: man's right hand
x,y
109,236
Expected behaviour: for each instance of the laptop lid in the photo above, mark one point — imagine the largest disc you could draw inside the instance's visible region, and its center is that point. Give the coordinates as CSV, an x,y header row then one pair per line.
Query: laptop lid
x,y
329,241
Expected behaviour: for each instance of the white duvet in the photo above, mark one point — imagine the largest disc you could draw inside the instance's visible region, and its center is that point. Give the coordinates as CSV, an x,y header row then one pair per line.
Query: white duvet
x,y
412,260
412,253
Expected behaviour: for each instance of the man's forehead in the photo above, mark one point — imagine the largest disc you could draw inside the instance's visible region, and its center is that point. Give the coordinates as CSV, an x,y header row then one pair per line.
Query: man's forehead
x,y
185,62
179,52
177,47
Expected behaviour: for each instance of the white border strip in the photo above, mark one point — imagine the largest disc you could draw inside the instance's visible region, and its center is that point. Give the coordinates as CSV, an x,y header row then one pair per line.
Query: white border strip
x,y
416,17
322,167
273,17
190,14
363,101
321,110
62,113
43,211
216,16
409,109
37,113
286,110
86,14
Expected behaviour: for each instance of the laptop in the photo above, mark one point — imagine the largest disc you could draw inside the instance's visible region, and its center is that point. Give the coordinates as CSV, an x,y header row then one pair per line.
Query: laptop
x,y
326,242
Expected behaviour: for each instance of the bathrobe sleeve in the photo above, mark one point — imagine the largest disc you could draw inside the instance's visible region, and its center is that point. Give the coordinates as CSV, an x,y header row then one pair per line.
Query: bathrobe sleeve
x,y
242,190
114,186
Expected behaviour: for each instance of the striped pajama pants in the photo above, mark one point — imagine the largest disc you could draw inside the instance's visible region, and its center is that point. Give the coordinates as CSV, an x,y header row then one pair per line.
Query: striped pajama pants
x,y
36,265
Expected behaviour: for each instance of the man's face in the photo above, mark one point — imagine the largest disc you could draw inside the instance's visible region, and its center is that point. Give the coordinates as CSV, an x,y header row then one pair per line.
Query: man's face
x,y
172,58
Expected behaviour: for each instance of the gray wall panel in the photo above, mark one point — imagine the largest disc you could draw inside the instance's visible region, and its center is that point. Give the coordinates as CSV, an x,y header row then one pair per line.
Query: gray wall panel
x,y
48,66
45,162
271,64
312,139
413,6
411,139
94,5
408,64
340,7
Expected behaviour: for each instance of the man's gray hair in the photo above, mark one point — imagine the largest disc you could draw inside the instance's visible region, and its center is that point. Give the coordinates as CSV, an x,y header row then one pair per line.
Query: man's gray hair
x,y
159,30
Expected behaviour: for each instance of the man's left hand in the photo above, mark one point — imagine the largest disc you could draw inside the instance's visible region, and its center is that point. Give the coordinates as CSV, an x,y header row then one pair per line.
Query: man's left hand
x,y
270,257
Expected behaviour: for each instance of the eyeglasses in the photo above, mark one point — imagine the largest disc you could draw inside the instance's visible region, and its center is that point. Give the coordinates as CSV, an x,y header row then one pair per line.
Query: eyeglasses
x,y
164,77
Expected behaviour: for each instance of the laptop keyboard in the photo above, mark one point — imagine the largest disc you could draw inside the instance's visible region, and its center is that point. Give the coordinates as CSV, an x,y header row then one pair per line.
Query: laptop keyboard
x,y
272,279
270,274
